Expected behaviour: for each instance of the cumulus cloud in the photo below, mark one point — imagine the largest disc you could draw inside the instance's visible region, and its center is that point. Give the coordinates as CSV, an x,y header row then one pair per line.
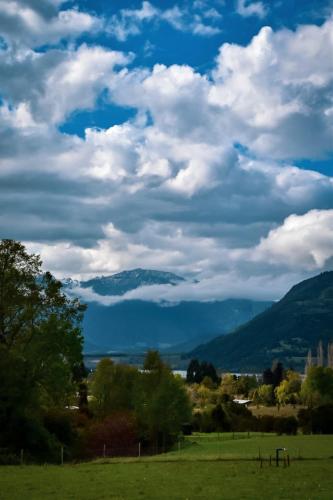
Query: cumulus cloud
x,y
247,8
31,23
77,81
302,241
64,80
130,22
280,89
194,183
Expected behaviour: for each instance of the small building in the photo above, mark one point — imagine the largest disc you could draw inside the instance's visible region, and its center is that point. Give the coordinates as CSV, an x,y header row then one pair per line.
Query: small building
x,y
244,402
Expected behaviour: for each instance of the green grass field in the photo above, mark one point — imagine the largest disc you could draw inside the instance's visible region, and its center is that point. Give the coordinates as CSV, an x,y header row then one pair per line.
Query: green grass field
x,y
194,472
212,446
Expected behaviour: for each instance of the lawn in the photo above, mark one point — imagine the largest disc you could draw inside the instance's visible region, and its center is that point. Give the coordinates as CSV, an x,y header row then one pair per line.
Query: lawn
x,y
181,480
212,446
194,472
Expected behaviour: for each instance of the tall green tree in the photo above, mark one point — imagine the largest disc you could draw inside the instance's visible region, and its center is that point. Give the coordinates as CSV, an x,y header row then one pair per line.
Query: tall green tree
x,y
161,404
197,371
288,392
317,389
264,394
229,384
40,339
153,361
113,387
193,374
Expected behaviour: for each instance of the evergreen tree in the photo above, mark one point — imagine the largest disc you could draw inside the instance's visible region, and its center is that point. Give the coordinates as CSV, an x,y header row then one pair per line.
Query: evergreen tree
x,y
330,355
320,354
308,362
268,377
277,371
193,374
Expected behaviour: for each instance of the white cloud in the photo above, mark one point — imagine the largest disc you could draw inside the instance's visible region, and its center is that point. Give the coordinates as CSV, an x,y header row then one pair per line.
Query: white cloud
x,y
279,88
130,22
64,80
221,287
247,8
302,241
77,81
168,189
24,24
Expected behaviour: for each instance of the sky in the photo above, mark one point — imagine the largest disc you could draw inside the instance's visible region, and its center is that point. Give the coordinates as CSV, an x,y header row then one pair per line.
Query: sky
x,y
188,136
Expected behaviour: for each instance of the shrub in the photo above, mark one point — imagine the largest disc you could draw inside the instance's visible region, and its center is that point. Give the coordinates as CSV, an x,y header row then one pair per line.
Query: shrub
x,y
60,424
318,420
118,433
280,425
286,425
266,423
202,422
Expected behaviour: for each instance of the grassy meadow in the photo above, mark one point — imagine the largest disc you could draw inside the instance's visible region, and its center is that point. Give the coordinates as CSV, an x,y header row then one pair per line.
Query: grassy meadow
x,y
206,466
250,446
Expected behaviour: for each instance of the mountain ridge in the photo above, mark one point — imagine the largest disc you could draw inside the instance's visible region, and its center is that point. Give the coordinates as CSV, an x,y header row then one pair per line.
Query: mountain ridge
x,y
125,281
141,324
285,331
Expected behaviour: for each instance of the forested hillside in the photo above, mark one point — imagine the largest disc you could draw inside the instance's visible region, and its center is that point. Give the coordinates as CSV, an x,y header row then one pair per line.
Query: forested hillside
x,y
285,331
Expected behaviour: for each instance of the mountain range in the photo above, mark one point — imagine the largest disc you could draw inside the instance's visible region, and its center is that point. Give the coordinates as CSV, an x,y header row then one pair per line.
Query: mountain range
x,y
284,332
136,325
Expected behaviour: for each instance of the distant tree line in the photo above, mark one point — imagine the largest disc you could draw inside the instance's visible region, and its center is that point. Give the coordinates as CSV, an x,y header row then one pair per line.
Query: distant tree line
x,y
215,408
197,371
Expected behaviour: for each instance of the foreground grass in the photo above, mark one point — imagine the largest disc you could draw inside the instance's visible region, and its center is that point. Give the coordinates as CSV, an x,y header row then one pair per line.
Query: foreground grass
x,y
208,466
183,480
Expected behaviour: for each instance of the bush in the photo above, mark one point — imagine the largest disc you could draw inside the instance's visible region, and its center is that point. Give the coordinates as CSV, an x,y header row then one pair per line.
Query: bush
x,y
187,429
280,425
240,417
60,424
286,425
318,420
266,423
8,458
29,434
225,418
202,422
118,433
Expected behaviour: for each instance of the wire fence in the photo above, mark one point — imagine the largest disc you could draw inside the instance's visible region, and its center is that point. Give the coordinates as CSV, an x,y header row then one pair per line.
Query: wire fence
x,y
63,455
195,447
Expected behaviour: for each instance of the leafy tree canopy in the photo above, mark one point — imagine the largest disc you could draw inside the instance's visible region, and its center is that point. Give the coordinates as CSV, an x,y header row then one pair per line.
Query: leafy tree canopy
x,y
317,388
113,387
153,361
40,338
288,392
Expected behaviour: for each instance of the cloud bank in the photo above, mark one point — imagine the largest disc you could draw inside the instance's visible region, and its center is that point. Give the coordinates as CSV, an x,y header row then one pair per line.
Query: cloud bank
x,y
205,179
